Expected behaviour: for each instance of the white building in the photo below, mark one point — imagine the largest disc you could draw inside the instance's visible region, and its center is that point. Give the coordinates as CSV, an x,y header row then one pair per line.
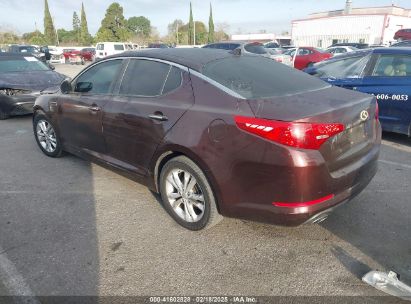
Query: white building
x,y
372,25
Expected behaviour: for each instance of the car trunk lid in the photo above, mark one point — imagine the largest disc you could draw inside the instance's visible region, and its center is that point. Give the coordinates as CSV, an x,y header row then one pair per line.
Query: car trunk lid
x,y
356,111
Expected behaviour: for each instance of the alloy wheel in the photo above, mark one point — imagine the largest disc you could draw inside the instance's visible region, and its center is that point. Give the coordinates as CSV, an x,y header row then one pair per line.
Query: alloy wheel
x,y
185,195
46,136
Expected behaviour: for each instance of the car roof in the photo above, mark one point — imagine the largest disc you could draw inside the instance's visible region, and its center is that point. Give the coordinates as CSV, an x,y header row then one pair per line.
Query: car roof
x,y
14,55
194,58
393,50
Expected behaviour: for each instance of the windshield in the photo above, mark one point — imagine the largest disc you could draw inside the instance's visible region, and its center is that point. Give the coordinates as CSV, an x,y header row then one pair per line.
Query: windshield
x,y
28,49
260,77
24,64
349,67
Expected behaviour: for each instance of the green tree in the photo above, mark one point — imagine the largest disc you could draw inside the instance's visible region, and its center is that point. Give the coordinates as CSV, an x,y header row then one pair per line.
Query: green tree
x,y
67,37
201,33
35,37
211,26
113,26
85,37
76,26
139,26
49,30
174,29
191,27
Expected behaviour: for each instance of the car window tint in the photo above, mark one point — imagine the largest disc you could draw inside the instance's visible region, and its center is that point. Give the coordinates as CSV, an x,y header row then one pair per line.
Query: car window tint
x,y
393,65
255,48
260,77
232,46
173,80
119,47
144,78
102,76
348,67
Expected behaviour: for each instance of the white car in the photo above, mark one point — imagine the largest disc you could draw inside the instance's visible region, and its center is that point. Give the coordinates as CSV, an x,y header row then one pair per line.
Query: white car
x,y
56,55
338,50
104,49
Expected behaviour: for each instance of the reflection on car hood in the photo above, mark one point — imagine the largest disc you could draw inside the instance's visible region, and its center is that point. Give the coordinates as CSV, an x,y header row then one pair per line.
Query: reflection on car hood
x,y
33,80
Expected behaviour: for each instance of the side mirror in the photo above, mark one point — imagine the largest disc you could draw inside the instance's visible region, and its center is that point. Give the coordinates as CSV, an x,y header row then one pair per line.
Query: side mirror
x,y
83,87
66,87
52,67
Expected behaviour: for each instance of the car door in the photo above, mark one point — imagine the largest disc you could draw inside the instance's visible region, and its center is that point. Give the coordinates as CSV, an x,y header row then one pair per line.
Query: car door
x,y
390,82
303,58
151,98
81,111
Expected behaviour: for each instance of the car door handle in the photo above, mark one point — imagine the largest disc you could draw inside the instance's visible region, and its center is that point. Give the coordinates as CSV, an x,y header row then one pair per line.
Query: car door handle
x,y
94,109
158,116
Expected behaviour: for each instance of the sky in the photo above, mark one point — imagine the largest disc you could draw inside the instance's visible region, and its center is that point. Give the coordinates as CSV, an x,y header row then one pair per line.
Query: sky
x,y
242,16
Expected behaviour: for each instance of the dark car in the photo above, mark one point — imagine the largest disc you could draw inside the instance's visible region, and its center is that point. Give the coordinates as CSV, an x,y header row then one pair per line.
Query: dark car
x,y
383,72
403,34
217,133
158,46
22,78
405,43
28,49
353,44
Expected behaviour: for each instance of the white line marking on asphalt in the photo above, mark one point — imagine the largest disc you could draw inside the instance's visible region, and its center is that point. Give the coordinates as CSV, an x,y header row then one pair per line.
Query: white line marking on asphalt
x,y
396,146
395,163
14,282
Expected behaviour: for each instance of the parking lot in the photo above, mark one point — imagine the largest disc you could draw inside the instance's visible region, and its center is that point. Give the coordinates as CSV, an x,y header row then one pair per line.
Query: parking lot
x,y
69,227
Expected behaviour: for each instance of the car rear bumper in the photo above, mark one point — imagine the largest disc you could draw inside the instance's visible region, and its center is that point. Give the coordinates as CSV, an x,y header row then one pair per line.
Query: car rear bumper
x,y
316,191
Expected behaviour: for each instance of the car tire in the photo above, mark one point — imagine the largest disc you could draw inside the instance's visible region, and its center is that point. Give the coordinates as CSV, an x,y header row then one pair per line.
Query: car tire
x,y
48,141
186,211
4,116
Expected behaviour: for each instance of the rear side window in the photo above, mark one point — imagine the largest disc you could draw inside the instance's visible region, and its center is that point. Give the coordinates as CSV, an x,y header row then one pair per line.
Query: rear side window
x,y
119,47
256,77
144,78
173,80
100,47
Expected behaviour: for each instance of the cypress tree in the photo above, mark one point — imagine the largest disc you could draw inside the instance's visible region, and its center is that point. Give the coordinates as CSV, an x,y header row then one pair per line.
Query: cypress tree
x,y
85,37
49,30
191,27
76,26
211,26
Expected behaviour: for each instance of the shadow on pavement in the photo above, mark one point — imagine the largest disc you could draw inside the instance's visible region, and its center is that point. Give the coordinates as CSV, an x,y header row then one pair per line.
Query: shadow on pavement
x,y
47,216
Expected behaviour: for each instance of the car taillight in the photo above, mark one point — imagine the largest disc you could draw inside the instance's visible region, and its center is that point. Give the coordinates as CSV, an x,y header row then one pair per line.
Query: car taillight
x,y
294,134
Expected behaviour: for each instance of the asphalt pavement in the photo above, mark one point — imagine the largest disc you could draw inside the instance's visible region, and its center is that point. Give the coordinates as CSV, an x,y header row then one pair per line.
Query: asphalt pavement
x,y
69,227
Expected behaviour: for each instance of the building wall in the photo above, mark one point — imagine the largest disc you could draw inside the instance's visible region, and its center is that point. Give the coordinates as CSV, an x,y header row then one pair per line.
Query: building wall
x,y
393,24
322,32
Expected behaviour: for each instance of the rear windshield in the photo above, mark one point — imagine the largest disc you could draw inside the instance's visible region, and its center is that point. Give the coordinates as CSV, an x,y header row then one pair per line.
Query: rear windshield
x,y
255,48
23,64
256,77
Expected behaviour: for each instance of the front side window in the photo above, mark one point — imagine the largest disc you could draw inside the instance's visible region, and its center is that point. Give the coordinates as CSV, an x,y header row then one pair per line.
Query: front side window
x,y
99,79
100,47
351,67
146,78
393,65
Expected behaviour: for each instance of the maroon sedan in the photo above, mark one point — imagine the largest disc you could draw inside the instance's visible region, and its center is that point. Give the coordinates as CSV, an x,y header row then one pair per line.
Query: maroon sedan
x,y
217,133
403,34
